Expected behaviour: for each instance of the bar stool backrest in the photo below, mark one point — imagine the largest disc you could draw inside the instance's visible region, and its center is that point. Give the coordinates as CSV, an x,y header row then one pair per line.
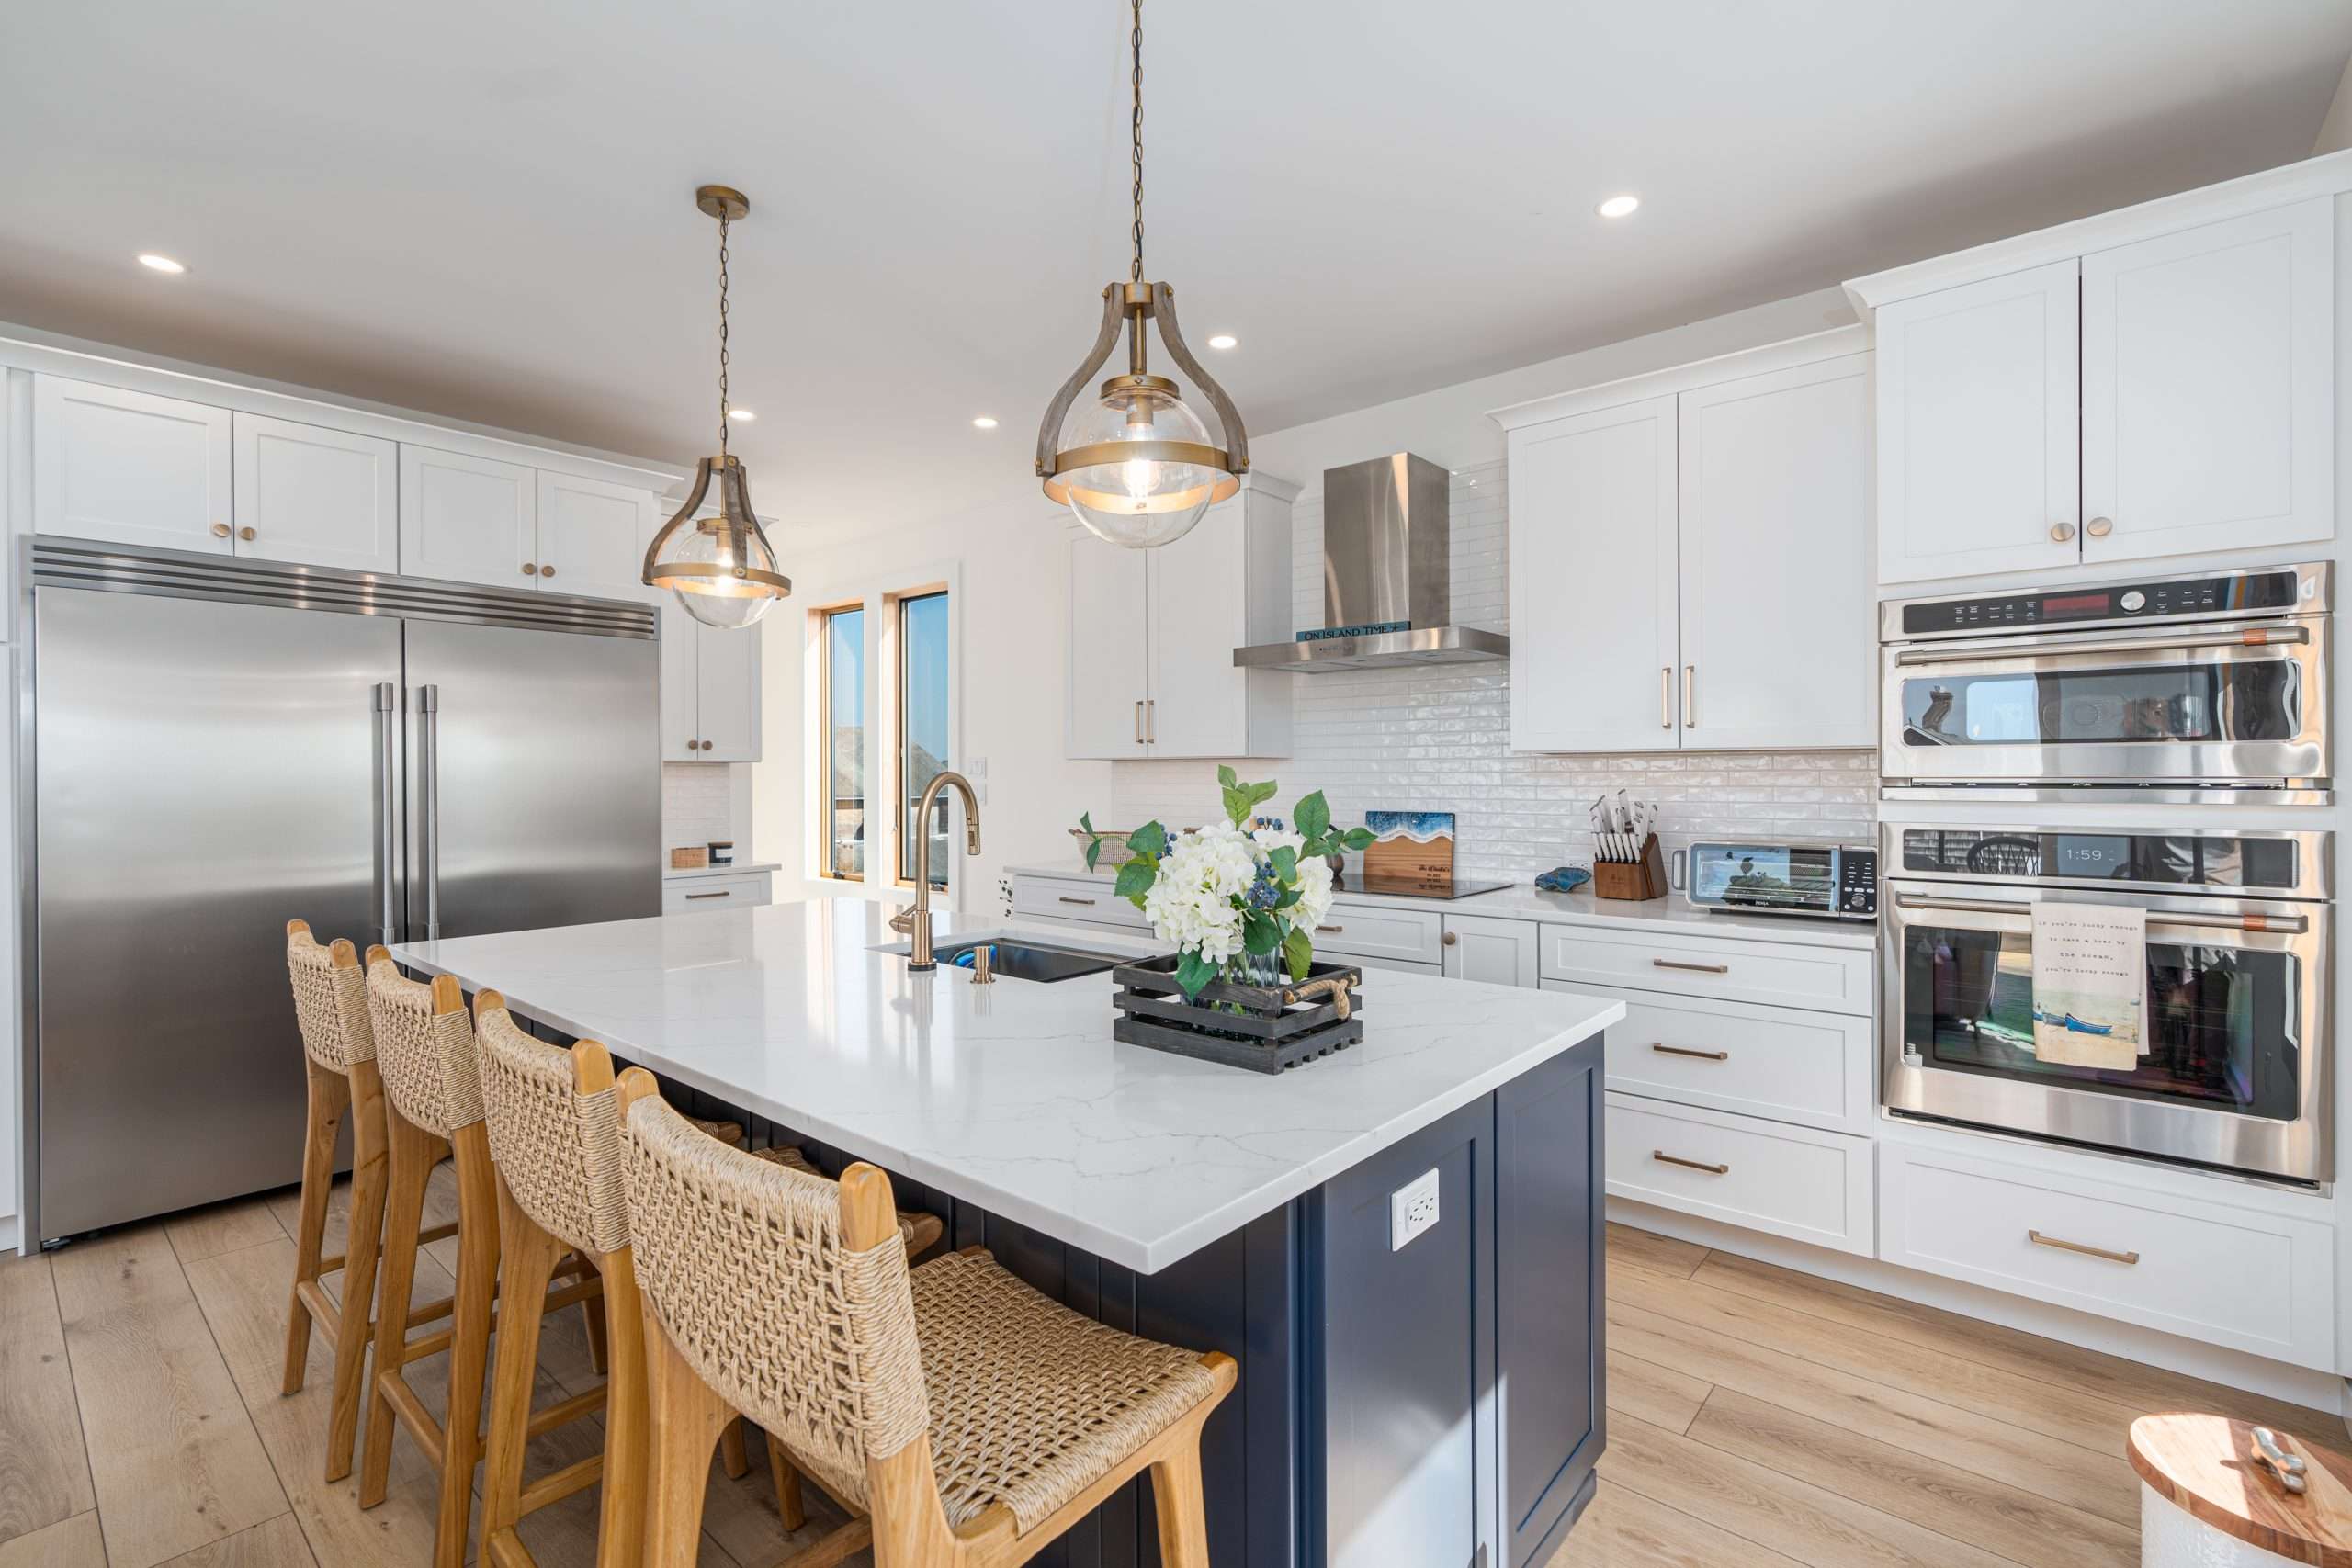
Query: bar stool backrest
x,y
559,1149
426,1056
748,1274
330,1001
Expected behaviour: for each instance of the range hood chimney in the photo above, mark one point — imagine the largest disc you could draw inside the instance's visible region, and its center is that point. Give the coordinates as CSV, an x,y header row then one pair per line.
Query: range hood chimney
x,y
1387,584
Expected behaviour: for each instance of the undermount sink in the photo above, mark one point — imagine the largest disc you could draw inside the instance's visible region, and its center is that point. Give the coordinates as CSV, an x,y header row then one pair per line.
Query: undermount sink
x,y
1031,960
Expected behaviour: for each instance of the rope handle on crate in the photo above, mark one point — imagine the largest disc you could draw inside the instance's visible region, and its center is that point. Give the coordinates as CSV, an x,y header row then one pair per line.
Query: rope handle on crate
x,y
1336,986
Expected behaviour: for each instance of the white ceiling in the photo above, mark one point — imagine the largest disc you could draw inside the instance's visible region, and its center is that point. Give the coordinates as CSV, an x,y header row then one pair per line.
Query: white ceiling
x,y
483,208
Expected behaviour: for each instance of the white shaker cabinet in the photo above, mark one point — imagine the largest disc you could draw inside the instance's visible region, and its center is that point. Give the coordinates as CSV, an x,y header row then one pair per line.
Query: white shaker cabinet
x,y
1776,623
1484,948
131,467
2209,388
317,496
1977,441
592,535
1153,632
1592,581
710,690
467,519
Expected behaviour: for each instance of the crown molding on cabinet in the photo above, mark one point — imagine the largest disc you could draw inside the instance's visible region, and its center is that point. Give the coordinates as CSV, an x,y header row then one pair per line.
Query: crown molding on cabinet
x,y
1810,349
2327,175
27,348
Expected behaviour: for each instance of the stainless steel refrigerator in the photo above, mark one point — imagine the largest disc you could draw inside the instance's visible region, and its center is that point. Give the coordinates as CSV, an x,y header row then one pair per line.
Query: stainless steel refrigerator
x,y
210,747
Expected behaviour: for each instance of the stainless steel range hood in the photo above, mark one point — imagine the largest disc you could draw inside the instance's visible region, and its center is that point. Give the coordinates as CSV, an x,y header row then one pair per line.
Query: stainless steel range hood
x,y
1387,588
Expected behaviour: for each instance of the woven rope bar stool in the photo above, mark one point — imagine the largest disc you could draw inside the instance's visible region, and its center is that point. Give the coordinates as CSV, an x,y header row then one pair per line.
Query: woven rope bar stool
x,y
339,1055
425,1050
554,1126
970,1418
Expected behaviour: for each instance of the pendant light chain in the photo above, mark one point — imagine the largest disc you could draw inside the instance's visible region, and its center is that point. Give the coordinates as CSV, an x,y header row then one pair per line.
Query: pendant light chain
x,y
722,333
1135,271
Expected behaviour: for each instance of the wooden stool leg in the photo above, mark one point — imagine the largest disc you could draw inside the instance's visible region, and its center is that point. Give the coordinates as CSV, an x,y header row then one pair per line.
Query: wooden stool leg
x,y
527,1255
469,1337
786,1477
410,1167
733,1456
592,1318
620,1535
363,1241
1176,1498
683,1408
328,1097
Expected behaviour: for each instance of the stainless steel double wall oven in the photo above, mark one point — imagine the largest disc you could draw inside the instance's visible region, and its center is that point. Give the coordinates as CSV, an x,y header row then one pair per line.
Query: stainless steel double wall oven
x,y
2199,694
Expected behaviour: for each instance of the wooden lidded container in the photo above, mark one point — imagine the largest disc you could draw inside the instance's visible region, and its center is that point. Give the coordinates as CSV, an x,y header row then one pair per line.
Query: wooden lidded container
x,y
2212,1500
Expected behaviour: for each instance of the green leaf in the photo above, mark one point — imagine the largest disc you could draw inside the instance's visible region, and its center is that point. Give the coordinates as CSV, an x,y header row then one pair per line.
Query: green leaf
x,y
1284,860
1261,935
1298,952
1313,817
1290,897
1237,804
1193,973
1261,792
1151,839
1358,839
1093,839
1136,878
1227,778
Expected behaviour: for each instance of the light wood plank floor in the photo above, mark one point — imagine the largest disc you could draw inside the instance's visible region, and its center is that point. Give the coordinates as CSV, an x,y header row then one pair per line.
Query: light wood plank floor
x,y
1756,1416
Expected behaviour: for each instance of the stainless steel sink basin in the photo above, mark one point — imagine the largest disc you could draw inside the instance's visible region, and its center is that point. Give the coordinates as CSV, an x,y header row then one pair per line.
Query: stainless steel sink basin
x,y
1015,960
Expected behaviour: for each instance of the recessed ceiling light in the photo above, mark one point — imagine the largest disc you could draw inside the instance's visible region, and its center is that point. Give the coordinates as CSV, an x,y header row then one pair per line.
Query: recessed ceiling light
x,y
741,413
1620,206
984,422
1224,339
161,263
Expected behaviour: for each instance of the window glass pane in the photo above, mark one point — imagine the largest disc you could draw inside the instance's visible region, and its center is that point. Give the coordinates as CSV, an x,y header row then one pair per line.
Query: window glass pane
x,y
846,742
923,709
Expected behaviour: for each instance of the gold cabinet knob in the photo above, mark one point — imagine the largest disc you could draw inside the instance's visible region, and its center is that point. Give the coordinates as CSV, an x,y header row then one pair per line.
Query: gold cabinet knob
x,y
245,533
530,569
546,571
1452,939
2062,531
219,530
2100,527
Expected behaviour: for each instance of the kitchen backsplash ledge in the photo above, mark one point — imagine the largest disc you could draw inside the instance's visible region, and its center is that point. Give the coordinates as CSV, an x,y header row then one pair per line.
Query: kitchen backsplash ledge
x,y
1438,739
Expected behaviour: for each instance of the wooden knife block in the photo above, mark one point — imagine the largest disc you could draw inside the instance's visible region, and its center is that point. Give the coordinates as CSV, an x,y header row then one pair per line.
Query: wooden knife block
x,y
1643,878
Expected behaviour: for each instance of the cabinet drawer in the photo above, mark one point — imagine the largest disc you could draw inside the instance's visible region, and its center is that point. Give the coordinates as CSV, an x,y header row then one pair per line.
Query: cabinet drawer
x,y
1368,930
1074,898
1780,1062
697,895
2221,1275
1791,1181
1778,973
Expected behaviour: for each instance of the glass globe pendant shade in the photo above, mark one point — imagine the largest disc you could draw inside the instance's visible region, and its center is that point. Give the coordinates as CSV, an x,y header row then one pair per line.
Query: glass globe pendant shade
x,y
1150,470
720,567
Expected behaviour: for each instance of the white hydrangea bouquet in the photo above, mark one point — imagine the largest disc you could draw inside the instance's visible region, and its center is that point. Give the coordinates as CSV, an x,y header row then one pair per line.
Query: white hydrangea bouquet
x,y
1241,898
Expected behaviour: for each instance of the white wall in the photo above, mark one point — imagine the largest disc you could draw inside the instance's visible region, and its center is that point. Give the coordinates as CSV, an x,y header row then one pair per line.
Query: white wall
x,y
1012,612
2335,131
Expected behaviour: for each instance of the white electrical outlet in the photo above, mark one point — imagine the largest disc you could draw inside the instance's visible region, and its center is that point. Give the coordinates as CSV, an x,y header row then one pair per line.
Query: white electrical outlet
x,y
1412,1209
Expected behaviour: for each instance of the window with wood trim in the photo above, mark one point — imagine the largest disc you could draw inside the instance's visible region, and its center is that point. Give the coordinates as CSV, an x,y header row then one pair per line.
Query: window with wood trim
x,y
924,651
841,743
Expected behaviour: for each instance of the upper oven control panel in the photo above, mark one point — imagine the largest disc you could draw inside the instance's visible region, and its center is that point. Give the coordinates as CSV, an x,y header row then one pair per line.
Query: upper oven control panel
x,y
2213,596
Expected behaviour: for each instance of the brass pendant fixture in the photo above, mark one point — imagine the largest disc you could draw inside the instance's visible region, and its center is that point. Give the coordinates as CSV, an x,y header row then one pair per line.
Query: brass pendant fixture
x,y
720,567
1136,465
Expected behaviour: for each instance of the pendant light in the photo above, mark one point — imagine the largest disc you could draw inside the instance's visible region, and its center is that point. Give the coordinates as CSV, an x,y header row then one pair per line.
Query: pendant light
x,y
720,567
1136,465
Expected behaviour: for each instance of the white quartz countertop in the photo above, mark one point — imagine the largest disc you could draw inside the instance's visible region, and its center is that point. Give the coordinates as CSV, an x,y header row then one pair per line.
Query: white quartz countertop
x,y
1524,901
1012,1096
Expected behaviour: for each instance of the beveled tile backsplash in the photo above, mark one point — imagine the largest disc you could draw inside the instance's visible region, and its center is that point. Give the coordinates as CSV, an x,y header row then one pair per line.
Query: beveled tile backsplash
x,y
1438,739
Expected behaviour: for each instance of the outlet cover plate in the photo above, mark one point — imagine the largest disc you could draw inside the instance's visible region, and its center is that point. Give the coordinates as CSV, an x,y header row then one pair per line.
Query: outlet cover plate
x,y
1412,1209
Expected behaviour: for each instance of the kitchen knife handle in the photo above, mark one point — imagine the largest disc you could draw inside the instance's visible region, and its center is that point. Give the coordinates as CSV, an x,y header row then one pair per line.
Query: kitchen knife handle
x,y
383,699
428,813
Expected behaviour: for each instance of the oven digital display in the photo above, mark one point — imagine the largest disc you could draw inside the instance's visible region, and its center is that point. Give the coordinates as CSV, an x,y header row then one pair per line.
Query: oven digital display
x,y
2078,605
2089,855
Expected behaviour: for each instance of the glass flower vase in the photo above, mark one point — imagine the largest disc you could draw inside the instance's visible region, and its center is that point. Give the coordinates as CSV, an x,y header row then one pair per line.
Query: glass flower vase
x,y
1248,968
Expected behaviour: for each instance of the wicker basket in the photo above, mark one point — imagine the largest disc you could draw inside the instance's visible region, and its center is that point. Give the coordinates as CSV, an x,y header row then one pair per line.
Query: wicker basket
x,y
1262,1028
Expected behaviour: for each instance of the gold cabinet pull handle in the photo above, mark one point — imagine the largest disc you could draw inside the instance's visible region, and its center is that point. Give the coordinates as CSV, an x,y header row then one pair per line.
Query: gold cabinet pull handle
x,y
1689,696
1694,969
1666,1049
2100,527
1666,696
2084,1247
694,896
1138,721
219,530
1067,899
246,533
547,570
1663,1159
1151,721
1329,930
2062,531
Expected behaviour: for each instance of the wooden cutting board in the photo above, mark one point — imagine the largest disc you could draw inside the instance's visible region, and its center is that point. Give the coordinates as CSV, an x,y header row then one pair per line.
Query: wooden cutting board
x,y
2207,1465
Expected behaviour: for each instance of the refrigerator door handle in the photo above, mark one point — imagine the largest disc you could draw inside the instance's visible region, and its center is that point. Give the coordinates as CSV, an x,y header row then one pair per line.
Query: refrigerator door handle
x,y
387,700
429,816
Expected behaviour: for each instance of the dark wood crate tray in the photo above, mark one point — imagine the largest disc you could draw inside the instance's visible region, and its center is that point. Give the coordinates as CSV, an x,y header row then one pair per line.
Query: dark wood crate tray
x,y
1276,1026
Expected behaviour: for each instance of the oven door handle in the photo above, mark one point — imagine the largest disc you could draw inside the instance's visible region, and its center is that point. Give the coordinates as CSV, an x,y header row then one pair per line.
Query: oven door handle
x,y
2287,924
2250,637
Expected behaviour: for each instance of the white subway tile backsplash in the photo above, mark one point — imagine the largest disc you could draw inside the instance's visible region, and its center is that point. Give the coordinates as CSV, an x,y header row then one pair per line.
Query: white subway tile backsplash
x,y
1438,739
696,804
